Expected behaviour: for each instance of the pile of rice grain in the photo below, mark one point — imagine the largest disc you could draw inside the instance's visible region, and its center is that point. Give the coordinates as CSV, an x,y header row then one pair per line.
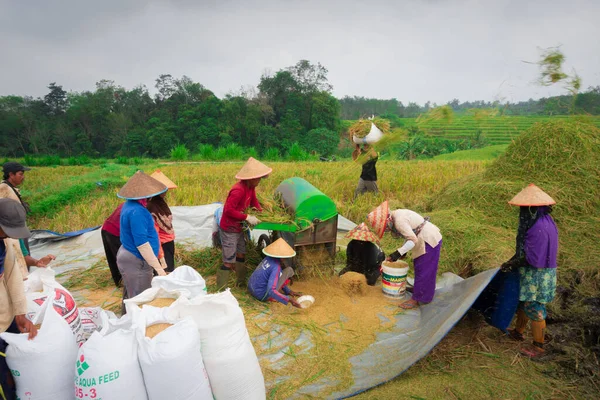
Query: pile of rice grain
x,y
353,283
155,329
160,302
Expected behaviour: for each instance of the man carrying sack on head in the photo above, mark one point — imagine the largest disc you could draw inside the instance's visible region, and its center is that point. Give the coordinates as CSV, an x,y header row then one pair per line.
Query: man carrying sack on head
x,y
138,255
268,282
368,177
241,196
13,304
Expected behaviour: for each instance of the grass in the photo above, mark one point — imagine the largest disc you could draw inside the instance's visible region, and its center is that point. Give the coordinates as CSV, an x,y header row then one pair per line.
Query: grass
x,y
482,154
405,184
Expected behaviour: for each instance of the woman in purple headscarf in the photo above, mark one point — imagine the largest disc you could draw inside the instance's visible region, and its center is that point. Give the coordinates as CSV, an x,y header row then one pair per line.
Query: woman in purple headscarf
x,y
535,259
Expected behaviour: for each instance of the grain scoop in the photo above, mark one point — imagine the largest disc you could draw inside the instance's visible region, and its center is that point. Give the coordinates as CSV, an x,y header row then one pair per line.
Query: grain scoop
x,y
306,301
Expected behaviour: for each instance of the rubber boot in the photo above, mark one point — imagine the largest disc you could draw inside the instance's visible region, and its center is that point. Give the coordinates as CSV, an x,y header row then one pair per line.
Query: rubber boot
x,y
521,322
223,278
241,271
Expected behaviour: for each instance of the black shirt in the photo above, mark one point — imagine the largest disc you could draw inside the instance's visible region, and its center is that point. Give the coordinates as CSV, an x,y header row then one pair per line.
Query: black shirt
x,y
365,258
369,172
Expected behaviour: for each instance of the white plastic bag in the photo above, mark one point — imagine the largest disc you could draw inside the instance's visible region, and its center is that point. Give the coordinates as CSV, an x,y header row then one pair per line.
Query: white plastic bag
x,y
228,354
43,367
374,136
183,277
107,365
171,361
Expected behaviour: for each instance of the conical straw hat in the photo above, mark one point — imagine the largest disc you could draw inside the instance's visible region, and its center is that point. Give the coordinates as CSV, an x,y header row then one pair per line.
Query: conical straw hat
x,y
141,186
162,178
378,217
363,233
279,249
532,196
253,169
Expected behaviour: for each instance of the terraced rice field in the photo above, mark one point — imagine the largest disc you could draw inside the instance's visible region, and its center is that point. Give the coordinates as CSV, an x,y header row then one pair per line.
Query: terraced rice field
x,y
497,130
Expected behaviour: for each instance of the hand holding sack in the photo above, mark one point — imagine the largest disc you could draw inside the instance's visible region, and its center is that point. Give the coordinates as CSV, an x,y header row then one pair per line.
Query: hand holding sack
x,y
43,367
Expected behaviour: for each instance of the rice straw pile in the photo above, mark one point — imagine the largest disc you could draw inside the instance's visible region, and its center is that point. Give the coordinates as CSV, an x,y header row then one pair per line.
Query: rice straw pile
x,y
155,329
160,302
362,127
273,210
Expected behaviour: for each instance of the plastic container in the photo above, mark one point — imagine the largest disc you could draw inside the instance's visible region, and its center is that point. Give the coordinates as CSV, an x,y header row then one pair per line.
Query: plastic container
x,y
393,279
306,301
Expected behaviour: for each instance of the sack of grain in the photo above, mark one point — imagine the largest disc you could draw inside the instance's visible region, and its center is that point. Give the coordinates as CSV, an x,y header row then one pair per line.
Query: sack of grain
x,y
156,297
183,277
367,131
374,136
228,354
170,357
42,288
107,364
43,367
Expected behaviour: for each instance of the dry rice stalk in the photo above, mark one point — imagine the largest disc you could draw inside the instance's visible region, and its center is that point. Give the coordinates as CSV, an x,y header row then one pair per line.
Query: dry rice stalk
x,y
363,126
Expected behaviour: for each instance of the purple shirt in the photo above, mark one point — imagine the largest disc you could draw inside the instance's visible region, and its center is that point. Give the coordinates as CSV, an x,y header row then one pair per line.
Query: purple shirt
x,y
541,243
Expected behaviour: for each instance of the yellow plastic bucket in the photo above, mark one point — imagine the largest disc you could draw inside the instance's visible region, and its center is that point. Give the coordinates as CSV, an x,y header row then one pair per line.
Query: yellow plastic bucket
x,y
393,279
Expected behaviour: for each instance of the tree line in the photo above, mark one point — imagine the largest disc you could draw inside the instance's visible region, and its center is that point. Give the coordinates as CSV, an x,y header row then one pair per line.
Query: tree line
x,y
587,102
291,106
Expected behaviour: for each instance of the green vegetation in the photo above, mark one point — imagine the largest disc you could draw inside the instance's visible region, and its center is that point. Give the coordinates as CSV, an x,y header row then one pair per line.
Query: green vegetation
x,y
484,153
293,105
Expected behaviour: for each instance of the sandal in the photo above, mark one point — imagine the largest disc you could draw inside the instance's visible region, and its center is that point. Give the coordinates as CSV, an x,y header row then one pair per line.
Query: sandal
x,y
409,305
513,334
535,353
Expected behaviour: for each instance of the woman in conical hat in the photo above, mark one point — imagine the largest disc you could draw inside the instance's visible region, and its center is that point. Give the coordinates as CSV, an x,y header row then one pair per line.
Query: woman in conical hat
x,y
163,222
138,255
535,260
241,196
268,282
363,255
422,238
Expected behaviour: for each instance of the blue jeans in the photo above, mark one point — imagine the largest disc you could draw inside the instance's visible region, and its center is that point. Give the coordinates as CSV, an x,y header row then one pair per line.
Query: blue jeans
x,y
6,382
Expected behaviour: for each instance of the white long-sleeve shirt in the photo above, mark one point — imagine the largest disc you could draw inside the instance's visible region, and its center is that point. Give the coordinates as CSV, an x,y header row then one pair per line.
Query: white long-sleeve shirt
x,y
407,220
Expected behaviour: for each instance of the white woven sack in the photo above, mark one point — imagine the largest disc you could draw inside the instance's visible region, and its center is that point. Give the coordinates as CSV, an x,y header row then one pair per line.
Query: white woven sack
x,y
228,354
132,306
92,319
61,299
107,364
171,361
374,136
43,367
183,277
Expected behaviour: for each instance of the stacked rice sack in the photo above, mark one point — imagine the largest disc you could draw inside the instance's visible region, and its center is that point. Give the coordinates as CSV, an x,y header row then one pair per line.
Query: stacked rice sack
x,y
175,342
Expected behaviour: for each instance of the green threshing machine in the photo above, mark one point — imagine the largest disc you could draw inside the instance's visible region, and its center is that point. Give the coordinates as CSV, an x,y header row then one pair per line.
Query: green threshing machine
x,y
315,218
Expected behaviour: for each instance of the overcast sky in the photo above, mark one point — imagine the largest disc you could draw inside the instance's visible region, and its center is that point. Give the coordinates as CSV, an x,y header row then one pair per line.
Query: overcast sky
x,y
413,50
